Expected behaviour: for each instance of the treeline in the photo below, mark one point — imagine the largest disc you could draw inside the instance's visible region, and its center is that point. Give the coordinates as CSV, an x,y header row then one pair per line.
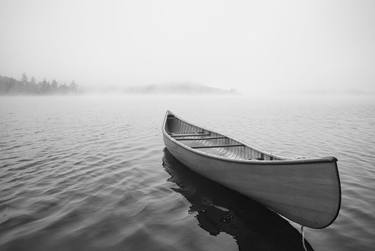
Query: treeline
x,y
11,86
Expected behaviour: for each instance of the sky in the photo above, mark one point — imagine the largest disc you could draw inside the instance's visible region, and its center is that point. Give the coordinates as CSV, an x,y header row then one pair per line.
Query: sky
x,y
252,46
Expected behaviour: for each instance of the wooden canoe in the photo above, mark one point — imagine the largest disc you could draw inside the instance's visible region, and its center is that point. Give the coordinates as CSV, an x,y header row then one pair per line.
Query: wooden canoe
x,y
306,191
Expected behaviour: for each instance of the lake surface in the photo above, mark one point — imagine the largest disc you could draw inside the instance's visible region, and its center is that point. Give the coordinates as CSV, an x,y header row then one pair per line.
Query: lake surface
x,y
92,173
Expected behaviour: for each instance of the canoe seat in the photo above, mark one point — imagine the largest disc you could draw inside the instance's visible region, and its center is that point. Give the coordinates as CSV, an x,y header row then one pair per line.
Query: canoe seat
x,y
189,134
202,138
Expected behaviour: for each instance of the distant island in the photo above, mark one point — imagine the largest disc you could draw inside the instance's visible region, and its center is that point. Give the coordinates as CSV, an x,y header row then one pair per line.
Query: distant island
x,y
25,86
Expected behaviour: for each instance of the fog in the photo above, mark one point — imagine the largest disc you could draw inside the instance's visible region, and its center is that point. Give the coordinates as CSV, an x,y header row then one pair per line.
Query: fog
x,y
254,47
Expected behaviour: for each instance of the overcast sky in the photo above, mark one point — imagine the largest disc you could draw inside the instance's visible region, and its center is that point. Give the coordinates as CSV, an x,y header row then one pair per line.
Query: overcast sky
x,y
247,45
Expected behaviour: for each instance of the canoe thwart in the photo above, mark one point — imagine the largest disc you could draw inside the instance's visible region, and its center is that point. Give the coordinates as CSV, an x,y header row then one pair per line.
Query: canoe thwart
x,y
217,146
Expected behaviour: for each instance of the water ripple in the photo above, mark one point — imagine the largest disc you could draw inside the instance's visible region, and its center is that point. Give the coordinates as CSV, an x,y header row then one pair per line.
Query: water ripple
x,y
90,174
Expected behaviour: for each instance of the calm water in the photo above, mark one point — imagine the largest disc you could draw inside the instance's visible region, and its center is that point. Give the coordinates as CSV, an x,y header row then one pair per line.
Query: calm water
x,y
91,173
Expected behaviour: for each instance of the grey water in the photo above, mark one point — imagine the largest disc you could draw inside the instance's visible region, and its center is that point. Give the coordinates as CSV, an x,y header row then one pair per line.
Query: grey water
x,y
92,173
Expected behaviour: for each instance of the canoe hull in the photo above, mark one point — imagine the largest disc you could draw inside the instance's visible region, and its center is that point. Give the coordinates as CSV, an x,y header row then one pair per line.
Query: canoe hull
x,y
306,193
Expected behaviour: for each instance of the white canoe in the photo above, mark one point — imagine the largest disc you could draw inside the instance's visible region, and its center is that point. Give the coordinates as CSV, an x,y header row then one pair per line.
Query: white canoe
x,y
306,191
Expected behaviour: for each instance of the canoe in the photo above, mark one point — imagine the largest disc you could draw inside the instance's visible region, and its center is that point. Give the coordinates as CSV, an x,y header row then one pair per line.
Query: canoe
x,y
305,191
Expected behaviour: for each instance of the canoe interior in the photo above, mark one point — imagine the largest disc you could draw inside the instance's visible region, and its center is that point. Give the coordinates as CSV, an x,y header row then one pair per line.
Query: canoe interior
x,y
211,142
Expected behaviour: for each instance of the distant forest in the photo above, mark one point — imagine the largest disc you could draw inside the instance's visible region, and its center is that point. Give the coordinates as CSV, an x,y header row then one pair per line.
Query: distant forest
x,y
26,86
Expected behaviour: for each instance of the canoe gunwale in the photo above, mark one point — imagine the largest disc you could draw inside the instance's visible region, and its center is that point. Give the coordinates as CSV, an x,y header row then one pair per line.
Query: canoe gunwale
x,y
281,161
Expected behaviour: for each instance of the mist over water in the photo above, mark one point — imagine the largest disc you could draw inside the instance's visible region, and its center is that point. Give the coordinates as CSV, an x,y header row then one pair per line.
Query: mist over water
x,y
92,173
320,46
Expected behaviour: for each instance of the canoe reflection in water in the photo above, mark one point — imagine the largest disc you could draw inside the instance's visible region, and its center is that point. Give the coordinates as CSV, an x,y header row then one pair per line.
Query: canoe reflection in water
x,y
219,209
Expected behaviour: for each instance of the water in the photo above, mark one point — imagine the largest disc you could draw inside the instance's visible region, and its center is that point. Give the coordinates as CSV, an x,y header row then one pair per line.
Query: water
x,y
91,173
